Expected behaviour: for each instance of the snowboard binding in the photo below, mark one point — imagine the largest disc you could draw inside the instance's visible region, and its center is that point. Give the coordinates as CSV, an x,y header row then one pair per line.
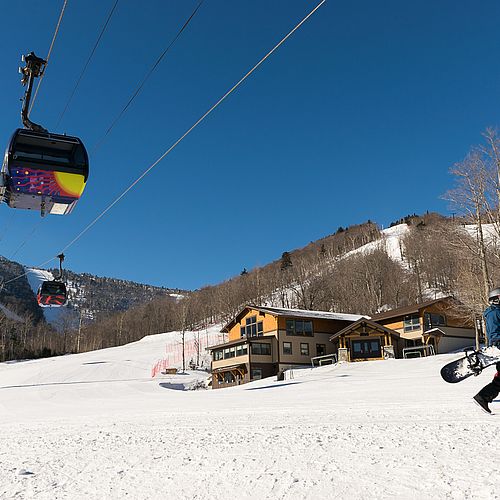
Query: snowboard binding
x,y
473,362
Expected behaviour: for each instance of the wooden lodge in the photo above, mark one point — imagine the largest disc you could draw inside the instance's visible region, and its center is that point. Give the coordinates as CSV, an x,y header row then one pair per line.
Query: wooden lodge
x,y
439,323
265,341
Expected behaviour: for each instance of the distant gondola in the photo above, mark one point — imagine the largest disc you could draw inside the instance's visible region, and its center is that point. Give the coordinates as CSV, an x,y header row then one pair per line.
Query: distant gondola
x,y
42,171
52,294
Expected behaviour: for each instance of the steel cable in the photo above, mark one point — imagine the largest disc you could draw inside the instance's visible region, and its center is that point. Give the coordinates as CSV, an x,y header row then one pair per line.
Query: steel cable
x,y
86,64
183,136
48,55
144,80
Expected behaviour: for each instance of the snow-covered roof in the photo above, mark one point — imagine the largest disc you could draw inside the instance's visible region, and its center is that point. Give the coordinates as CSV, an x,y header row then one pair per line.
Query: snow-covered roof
x,y
364,322
305,313
412,309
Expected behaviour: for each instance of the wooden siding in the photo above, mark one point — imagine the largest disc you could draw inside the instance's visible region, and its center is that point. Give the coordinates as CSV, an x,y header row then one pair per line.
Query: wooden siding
x,y
330,326
296,357
221,363
269,323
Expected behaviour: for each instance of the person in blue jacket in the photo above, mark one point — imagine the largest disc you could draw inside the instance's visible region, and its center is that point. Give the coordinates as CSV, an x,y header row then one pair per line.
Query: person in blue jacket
x,y
492,316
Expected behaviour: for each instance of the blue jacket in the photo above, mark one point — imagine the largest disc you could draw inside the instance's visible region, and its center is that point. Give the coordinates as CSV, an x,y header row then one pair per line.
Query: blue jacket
x,y
492,317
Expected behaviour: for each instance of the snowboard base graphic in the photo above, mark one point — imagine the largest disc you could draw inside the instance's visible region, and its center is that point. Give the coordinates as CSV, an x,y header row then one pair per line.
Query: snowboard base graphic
x,y
473,363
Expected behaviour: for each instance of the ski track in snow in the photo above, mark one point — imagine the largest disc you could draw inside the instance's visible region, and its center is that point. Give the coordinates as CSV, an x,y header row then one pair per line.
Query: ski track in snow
x,y
94,425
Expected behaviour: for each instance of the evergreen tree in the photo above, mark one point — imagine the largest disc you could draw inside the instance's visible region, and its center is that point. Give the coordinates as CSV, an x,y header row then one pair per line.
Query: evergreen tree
x,y
286,261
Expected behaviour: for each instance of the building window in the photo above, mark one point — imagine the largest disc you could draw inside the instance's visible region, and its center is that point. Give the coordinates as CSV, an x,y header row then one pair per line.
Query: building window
x,y
366,349
320,349
287,348
228,378
218,355
252,328
299,327
431,320
229,352
241,350
411,323
304,349
261,349
256,373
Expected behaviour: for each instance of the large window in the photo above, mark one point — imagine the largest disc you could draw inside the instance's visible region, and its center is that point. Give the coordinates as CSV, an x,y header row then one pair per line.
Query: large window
x,y
411,323
241,350
229,352
320,349
252,328
431,320
256,373
228,378
261,349
366,349
299,327
287,348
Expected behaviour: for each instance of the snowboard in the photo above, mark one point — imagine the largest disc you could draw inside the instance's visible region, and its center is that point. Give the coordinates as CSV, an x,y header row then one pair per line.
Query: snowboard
x,y
473,363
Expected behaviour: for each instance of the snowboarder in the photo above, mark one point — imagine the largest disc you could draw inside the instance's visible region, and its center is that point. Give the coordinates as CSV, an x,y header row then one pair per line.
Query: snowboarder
x,y
492,316
489,392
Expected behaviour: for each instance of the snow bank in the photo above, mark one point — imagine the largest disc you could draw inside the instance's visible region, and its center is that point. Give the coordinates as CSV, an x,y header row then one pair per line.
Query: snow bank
x,y
95,425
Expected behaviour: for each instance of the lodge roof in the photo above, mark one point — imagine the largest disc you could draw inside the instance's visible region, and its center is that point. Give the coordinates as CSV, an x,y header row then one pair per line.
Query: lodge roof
x,y
403,311
229,368
295,313
243,340
363,322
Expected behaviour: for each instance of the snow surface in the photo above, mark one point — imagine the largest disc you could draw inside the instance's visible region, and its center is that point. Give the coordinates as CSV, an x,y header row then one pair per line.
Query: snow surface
x,y
95,425
391,241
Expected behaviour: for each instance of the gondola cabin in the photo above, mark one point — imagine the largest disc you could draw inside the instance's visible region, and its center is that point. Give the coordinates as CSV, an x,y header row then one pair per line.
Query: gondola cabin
x,y
43,171
52,294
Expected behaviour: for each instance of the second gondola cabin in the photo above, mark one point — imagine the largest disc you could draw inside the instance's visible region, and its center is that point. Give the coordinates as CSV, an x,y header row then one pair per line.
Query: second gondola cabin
x,y
43,171
52,294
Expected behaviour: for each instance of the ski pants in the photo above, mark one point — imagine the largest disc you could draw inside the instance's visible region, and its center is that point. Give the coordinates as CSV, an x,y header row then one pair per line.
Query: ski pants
x,y
490,392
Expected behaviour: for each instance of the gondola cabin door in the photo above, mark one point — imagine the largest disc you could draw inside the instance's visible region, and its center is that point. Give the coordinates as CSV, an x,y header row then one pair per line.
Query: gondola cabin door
x,y
52,294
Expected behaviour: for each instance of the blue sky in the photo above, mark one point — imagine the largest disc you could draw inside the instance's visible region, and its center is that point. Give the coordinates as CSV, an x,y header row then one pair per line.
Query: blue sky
x,y
358,116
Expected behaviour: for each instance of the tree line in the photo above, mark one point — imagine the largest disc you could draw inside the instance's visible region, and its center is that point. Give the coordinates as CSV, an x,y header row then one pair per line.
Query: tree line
x,y
438,255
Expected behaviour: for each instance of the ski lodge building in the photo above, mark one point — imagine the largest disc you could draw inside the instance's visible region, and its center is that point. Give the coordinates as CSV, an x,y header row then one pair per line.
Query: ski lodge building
x,y
265,341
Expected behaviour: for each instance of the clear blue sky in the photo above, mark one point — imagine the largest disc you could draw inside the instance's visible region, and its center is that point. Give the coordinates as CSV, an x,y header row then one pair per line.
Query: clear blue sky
x,y
358,116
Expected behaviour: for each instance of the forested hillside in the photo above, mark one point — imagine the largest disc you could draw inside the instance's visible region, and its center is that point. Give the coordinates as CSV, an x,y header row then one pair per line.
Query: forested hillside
x,y
359,269
25,331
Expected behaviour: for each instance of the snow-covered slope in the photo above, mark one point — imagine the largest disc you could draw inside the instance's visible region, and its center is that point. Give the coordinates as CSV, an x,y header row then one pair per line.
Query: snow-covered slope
x,y
391,241
95,425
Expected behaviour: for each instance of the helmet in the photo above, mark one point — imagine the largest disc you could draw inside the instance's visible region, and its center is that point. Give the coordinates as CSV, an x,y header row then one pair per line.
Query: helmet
x,y
494,296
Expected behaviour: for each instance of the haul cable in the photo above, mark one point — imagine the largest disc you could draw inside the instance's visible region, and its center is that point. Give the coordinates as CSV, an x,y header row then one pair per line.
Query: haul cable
x,y
183,136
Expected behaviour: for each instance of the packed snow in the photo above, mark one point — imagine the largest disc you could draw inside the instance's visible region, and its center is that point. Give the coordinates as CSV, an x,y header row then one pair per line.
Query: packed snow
x,y
96,425
391,241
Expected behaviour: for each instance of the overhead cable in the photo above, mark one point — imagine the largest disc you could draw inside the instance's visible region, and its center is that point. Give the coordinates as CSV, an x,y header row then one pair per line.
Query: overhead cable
x,y
183,136
32,232
229,92
48,55
144,80
103,29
